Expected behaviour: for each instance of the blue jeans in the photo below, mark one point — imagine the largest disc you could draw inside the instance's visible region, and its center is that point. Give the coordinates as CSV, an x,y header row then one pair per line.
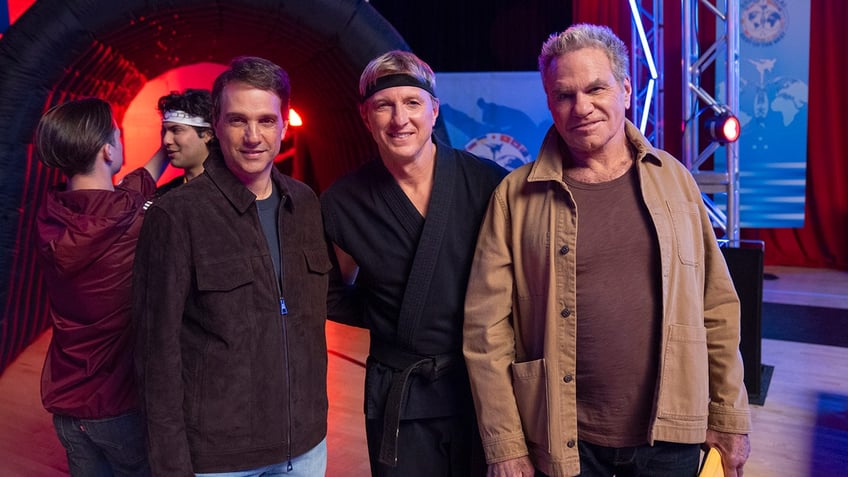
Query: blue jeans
x,y
663,459
104,447
313,463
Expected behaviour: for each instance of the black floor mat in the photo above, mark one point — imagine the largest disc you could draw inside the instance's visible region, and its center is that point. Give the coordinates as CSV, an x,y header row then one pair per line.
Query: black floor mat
x,y
805,324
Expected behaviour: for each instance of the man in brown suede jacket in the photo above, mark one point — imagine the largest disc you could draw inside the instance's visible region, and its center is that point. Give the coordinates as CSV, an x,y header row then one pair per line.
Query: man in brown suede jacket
x,y
230,298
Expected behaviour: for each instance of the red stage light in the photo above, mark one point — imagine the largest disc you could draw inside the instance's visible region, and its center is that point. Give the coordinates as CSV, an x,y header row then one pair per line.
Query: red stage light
x,y
724,128
294,119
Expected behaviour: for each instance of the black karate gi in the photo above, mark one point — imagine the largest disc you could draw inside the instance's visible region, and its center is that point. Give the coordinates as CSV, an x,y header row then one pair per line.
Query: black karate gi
x,y
410,294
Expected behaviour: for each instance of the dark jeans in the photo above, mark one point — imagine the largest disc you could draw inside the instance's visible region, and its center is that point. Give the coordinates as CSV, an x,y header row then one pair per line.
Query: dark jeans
x,y
104,447
663,459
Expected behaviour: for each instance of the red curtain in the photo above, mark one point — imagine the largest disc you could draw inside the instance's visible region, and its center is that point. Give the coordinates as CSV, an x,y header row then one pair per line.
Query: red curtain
x,y
615,15
823,240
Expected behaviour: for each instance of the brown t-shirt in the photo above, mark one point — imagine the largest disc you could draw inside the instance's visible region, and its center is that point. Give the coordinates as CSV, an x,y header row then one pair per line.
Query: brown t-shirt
x,y
618,312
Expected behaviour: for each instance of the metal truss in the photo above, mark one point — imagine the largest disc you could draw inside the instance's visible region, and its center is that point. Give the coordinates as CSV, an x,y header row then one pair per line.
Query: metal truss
x,y
700,105
646,62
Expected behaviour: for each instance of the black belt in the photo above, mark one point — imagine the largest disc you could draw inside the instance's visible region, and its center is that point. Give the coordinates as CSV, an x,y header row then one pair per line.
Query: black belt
x,y
405,364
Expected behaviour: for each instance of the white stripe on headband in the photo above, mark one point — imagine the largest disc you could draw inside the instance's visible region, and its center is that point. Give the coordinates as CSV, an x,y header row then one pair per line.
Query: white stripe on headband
x,y
182,117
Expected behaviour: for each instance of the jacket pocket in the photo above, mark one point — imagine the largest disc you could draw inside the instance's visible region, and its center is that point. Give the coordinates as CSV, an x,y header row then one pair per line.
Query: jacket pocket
x,y
226,297
317,261
685,219
529,381
685,387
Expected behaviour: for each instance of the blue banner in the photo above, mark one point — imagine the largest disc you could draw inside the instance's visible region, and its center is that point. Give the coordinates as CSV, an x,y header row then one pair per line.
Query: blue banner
x,y
774,68
501,116
4,16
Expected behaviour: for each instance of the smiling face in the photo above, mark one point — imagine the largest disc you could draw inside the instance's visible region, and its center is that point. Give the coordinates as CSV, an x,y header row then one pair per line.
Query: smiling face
x,y
186,148
401,120
250,128
587,103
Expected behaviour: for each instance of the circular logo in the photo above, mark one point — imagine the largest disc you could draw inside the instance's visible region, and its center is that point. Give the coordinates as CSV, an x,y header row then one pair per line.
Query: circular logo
x,y
763,21
501,148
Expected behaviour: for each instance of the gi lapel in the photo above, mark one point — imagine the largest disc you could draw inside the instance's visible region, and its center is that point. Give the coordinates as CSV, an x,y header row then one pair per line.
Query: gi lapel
x,y
435,225
416,293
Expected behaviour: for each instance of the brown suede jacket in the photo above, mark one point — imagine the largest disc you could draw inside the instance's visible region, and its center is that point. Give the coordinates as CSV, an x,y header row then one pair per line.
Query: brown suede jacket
x,y
228,382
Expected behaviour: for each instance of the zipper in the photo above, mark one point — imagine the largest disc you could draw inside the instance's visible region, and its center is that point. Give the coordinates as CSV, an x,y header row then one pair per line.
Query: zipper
x,y
283,312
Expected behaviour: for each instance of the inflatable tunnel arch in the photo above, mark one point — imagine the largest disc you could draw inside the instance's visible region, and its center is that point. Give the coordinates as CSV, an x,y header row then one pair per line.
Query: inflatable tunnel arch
x,y
60,50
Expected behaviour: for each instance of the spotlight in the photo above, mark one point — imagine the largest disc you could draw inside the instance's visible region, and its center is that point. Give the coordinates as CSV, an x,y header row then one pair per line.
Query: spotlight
x,y
724,128
294,118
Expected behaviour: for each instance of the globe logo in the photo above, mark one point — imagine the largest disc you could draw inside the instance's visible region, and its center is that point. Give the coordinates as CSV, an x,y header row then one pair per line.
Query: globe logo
x,y
763,21
504,149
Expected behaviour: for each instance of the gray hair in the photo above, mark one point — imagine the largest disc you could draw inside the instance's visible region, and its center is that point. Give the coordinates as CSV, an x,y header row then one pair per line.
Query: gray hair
x,y
585,35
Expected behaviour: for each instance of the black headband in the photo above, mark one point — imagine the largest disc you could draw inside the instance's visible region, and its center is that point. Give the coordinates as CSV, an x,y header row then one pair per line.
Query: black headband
x,y
390,81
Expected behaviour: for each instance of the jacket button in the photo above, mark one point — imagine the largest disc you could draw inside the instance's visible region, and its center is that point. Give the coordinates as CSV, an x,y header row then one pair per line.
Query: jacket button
x,y
565,313
570,443
563,250
568,378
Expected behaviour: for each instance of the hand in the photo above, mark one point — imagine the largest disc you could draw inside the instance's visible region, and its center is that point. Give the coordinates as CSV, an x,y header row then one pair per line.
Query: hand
x,y
734,449
518,467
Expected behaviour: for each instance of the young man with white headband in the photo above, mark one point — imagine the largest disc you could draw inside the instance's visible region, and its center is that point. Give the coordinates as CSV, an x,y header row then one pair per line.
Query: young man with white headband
x,y
403,229
187,134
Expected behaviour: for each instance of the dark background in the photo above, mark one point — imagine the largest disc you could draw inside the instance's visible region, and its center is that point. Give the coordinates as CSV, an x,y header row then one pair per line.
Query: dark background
x,y
495,35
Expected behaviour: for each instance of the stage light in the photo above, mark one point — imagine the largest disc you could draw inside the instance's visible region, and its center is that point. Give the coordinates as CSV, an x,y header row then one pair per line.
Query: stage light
x,y
294,119
724,128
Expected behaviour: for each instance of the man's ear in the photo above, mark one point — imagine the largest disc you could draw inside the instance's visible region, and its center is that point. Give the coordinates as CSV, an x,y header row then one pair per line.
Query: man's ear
x,y
106,151
363,113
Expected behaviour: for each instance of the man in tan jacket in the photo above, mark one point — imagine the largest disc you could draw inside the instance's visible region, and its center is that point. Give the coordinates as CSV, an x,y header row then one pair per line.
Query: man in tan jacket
x,y
602,327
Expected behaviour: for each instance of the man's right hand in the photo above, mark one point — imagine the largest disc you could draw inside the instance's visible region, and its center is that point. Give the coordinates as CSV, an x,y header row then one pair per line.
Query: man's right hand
x,y
518,467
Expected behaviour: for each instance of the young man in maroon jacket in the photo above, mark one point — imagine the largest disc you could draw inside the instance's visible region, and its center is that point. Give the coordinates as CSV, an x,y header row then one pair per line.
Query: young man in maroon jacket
x,y
87,232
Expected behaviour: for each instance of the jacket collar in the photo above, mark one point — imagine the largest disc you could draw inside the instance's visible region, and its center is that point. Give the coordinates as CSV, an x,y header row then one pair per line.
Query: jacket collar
x,y
239,196
548,165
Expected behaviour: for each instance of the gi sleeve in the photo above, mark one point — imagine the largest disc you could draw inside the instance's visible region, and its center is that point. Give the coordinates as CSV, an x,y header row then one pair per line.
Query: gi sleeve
x,y
344,301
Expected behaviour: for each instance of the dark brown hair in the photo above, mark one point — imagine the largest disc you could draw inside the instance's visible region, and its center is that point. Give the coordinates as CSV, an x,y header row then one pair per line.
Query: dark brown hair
x,y
256,72
70,135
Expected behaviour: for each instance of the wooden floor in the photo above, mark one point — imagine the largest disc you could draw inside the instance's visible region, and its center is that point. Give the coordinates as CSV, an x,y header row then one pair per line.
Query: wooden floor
x,y
794,432
29,446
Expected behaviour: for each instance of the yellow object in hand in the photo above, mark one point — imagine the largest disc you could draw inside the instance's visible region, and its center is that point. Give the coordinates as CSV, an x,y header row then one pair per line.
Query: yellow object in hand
x,y
711,466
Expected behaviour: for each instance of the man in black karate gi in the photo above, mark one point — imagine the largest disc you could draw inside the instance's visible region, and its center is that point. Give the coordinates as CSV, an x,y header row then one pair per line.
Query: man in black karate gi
x,y
403,228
